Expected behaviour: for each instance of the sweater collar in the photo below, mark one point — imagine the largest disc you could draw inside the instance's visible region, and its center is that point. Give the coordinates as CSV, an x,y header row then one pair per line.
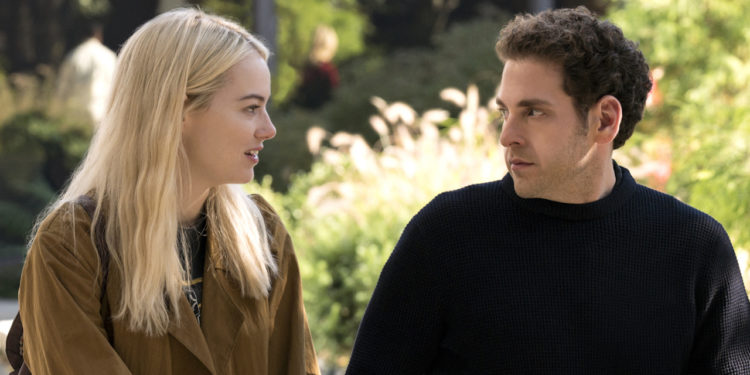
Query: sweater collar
x,y
621,192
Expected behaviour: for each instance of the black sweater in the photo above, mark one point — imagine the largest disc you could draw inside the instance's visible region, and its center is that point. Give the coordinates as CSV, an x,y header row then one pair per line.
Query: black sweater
x,y
485,282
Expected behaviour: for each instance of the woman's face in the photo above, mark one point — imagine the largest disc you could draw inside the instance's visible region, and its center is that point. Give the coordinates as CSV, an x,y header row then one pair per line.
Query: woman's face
x,y
223,141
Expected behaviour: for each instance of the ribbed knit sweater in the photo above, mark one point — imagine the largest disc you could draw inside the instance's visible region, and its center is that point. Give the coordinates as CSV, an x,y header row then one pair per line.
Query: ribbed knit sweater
x,y
485,282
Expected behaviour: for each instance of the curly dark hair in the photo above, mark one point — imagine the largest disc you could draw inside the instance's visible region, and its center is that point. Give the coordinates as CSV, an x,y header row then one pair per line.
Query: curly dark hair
x,y
595,56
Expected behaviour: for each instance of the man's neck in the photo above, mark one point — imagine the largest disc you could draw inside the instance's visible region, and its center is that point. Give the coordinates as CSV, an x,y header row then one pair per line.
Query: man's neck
x,y
592,184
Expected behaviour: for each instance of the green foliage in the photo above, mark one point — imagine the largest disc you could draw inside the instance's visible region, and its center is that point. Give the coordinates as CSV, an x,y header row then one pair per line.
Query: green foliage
x,y
297,23
463,54
37,155
347,213
297,20
704,48
6,98
93,8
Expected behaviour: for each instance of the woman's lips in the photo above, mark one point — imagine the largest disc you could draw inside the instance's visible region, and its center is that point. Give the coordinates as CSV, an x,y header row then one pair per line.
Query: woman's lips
x,y
253,154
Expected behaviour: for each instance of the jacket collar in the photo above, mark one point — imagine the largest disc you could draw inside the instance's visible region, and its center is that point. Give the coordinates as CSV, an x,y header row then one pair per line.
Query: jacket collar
x,y
188,333
221,317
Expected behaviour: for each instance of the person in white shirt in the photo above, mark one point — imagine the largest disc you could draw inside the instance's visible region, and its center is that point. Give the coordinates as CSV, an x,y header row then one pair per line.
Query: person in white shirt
x,y
85,78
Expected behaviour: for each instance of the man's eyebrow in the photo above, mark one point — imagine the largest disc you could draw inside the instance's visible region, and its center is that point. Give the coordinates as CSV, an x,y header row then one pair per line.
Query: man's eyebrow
x,y
533,103
526,102
252,96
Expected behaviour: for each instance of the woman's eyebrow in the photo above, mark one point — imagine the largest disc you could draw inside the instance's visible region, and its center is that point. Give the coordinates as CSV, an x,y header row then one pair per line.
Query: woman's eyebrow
x,y
252,96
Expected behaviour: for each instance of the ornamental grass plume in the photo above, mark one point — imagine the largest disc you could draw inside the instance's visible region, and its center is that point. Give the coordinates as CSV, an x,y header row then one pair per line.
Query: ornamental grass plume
x,y
348,212
416,156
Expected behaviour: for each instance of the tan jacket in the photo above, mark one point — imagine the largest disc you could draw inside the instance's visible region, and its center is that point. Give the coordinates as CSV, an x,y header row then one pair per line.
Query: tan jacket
x,y
64,333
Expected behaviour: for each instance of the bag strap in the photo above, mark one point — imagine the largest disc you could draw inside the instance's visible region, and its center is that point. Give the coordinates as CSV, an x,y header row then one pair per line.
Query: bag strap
x,y
89,204
100,242
14,344
14,340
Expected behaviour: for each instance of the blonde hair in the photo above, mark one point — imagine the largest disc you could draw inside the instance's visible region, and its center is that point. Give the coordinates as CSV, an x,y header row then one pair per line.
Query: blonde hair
x,y
324,44
136,167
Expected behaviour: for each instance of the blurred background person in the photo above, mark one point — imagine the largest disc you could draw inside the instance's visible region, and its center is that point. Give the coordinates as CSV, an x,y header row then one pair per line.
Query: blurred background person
x,y
85,78
319,76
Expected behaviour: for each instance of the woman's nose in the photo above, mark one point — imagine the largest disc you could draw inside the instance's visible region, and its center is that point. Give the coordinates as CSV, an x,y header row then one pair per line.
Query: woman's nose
x,y
266,130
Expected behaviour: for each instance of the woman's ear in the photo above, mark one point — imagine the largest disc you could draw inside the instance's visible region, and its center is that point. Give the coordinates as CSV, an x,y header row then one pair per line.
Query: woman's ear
x,y
608,113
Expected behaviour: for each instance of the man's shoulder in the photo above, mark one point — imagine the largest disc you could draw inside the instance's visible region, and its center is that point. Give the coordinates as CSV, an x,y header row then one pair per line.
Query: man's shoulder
x,y
664,207
468,196
465,204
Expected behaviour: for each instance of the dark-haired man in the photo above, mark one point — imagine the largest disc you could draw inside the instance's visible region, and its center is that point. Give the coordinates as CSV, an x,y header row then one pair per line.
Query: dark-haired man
x,y
566,265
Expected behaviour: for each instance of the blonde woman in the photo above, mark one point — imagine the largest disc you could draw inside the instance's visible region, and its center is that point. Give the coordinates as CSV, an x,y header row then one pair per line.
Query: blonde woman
x,y
319,75
201,278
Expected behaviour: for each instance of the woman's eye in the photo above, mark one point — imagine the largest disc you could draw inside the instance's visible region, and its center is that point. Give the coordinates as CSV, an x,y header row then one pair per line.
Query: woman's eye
x,y
252,108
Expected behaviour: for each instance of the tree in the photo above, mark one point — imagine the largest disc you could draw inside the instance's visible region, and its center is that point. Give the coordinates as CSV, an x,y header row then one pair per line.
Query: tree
x,y
701,45
296,21
265,26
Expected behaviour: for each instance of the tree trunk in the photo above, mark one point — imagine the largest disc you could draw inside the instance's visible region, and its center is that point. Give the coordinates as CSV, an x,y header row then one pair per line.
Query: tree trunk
x,y
125,17
35,33
265,27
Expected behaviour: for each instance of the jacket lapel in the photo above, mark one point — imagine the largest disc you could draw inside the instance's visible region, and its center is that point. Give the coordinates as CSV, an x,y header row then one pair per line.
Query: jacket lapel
x,y
222,317
188,333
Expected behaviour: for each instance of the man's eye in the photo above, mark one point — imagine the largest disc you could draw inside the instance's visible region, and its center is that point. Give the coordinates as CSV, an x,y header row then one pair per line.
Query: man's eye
x,y
535,112
503,114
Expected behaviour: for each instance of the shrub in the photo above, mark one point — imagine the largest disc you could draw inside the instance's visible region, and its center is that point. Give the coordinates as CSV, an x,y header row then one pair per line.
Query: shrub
x,y
297,20
702,47
347,213
463,54
37,155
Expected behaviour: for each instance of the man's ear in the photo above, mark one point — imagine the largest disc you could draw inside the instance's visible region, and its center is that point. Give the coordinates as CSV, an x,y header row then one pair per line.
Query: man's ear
x,y
607,117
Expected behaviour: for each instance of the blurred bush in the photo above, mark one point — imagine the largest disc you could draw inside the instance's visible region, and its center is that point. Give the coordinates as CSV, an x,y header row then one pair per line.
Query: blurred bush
x,y
297,20
347,213
37,155
702,47
463,54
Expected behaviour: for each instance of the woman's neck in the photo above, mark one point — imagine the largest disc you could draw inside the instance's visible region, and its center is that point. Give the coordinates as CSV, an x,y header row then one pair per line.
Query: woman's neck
x,y
191,205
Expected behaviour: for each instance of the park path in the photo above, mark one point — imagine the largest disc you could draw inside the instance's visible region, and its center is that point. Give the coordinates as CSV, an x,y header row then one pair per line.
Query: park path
x,y
8,308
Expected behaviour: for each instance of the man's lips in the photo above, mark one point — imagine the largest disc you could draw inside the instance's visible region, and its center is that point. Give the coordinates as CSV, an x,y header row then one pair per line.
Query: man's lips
x,y
517,163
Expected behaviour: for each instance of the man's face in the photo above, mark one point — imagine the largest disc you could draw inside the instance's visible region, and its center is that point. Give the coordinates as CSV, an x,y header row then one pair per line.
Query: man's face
x,y
548,148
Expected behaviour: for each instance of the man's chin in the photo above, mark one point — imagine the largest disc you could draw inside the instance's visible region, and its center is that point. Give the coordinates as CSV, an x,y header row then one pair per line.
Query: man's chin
x,y
525,190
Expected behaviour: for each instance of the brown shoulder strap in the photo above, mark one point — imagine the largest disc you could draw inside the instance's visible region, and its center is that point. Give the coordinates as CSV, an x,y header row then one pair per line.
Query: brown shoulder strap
x,y
89,204
14,344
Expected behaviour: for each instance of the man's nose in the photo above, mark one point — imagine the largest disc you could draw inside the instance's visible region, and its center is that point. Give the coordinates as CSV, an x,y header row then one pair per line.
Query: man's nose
x,y
511,133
